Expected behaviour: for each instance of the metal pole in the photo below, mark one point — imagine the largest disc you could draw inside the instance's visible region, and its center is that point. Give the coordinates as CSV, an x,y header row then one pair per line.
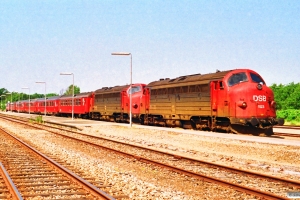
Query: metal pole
x,y
130,90
45,100
1,100
45,95
29,100
10,107
64,73
29,97
19,104
73,99
130,101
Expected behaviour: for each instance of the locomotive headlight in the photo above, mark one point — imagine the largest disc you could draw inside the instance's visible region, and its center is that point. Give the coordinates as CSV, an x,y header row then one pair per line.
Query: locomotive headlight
x,y
242,104
259,86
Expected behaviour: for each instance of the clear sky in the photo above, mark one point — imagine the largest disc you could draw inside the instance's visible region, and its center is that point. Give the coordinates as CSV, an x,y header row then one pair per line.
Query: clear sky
x,y
167,39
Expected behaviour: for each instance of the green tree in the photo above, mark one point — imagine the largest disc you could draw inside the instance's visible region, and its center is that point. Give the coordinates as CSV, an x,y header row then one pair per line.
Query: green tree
x,y
69,90
3,91
287,98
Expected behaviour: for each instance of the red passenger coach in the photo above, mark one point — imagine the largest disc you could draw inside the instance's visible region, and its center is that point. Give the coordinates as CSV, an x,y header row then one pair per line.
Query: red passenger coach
x,y
34,106
7,107
52,104
25,107
13,106
82,105
21,106
39,105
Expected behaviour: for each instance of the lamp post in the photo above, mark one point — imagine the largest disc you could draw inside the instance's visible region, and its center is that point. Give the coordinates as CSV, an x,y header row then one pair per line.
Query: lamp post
x,y
10,107
45,93
3,95
67,73
130,101
29,97
19,104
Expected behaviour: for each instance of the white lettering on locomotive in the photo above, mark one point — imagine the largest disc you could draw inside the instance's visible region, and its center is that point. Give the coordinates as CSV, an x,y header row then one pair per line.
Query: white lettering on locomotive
x,y
259,98
261,106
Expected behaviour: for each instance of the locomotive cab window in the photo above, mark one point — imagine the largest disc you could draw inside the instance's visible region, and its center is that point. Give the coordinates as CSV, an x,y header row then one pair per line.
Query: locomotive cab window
x,y
237,78
134,89
256,78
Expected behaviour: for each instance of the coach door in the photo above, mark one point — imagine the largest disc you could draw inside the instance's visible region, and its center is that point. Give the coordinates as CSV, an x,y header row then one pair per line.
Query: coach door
x,y
219,103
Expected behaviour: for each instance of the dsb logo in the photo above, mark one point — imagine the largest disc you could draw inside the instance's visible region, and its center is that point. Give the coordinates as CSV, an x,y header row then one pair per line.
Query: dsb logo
x,y
259,98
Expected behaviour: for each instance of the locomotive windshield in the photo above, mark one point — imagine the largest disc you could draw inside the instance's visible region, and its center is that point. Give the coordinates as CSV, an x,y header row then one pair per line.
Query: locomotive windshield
x,y
134,89
237,78
256,78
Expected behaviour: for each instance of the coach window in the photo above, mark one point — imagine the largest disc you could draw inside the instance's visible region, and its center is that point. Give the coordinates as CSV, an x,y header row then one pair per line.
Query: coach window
x,y
237,78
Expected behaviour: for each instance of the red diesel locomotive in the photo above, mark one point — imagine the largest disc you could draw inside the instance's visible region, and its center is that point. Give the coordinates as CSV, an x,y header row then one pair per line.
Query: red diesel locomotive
x,y
113,103
235,101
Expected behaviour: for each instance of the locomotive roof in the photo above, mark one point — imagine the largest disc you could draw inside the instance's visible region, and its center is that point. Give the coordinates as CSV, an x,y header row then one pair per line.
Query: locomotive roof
x,y
117,88
114,89
189,79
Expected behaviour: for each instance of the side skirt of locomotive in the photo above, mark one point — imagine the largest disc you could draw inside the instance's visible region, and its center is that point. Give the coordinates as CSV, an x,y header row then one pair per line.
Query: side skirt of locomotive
x,y
114,117
255,126
251,126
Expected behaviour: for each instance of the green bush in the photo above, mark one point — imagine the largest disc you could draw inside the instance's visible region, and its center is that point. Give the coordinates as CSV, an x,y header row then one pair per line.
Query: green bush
x,y
289,115
39,119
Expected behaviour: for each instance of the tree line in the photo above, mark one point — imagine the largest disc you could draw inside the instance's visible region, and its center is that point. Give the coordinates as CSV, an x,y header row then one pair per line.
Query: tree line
x,y
287,98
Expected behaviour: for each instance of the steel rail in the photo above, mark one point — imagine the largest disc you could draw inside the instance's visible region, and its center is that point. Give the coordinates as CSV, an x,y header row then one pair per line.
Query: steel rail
x,y
10,184
241,188
289,181
199,176
88,186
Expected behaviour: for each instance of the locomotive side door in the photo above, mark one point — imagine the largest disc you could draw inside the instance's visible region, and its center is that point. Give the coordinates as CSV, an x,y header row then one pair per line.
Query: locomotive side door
x,y
124,106
145,101
219,103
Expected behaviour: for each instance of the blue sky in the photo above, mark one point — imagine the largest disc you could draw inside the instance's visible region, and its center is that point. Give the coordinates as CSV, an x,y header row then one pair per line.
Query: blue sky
x,y
167,39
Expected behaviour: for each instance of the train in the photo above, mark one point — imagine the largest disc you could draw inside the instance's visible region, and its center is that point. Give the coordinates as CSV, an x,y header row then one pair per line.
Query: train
x,y
231,101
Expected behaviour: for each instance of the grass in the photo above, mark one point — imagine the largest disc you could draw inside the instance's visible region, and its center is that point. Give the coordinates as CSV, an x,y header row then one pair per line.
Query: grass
x,y
293,123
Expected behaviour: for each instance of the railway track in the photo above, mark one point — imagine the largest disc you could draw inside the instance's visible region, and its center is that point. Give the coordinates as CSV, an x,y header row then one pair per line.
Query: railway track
x,y
288,127
7,187
202,170
287,134
295,135
36,176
